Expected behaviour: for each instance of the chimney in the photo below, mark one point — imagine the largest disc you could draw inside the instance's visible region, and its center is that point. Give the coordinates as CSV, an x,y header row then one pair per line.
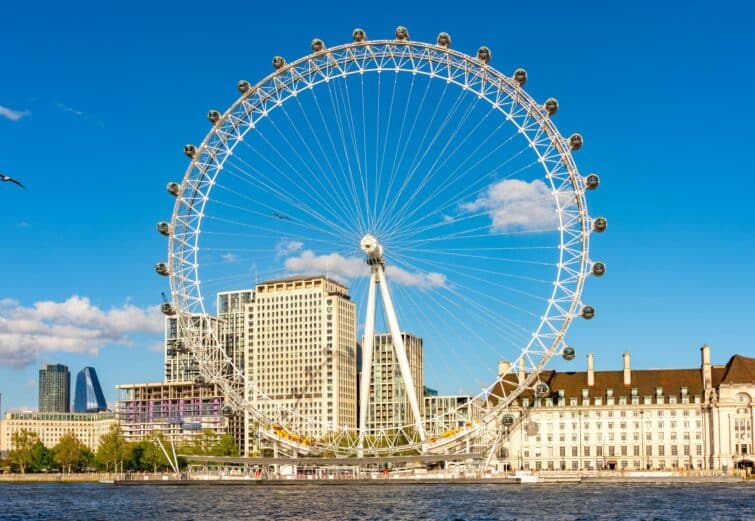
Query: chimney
x,y
521,370
590,371
627,371
705,355
503,367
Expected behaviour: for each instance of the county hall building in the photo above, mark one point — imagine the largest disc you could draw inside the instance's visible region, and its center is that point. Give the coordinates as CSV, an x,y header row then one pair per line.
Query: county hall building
x,y
651,419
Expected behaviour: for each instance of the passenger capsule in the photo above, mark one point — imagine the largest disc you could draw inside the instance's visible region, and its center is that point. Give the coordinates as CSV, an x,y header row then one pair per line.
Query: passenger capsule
x,y
278,62
359,35
402,33
588,312
226,410
444,40
541,389
600,224
592,181
162,269
190,151
170,351
163,228
575,141
173,188
244,86
167,308
520,76
213,116
507,420
598,269
568,353
317,45
483,54
551,106
200,379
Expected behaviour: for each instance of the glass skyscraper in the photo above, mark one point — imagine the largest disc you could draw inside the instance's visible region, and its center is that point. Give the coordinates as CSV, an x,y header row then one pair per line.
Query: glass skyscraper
x,y
54,388
89,397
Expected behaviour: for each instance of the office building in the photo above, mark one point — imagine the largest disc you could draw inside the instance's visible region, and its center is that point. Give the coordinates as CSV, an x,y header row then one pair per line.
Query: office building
x,y
88,396
389,407
301,335
54,388
51,426
180,364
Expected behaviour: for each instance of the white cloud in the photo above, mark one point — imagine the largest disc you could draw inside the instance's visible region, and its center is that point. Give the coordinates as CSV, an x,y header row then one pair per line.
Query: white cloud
x,y
335,265
13,115
73,326
284,248
513,204
346,268
230,258
420,280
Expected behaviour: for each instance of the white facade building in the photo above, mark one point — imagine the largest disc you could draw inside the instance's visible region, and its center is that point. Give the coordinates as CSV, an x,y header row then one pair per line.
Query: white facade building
x,y
637,420
301,354
51,426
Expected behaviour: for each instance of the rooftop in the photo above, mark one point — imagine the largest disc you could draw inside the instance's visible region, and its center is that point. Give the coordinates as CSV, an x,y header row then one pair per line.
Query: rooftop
x,y
739,369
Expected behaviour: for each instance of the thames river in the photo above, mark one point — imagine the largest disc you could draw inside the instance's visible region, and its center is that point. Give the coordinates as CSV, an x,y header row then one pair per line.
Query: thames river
x,y
390,502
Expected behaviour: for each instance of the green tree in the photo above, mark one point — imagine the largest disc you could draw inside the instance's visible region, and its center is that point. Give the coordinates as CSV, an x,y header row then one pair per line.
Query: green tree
x,y
23,443
202,443
152,455
70,453
113,449
226,446
41,458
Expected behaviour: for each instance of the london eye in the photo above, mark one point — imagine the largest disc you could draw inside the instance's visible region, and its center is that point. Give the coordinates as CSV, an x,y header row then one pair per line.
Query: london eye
x,y
440,200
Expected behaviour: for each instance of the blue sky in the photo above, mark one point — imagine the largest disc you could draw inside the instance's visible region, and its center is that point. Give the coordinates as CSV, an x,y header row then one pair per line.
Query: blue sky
x,y
103,98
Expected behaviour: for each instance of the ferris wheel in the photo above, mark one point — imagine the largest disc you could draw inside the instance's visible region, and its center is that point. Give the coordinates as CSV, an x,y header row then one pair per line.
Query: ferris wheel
x,y
435,193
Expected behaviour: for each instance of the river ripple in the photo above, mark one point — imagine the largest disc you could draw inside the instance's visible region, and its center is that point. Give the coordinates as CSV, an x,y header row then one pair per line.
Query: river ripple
x,y
571,502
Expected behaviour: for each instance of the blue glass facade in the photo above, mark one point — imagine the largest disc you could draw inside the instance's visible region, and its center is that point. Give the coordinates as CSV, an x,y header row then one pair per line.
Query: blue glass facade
x,y
89,397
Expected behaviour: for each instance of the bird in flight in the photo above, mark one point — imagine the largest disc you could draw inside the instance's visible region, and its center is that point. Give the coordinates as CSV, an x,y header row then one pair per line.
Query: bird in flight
x,y
6,178
281,216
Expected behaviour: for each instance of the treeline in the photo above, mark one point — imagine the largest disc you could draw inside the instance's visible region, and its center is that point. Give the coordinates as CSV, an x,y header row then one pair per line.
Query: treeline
x,y
114,453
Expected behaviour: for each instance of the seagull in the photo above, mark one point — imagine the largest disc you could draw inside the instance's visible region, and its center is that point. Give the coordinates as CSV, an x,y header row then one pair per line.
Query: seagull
x,y
281,216
6,178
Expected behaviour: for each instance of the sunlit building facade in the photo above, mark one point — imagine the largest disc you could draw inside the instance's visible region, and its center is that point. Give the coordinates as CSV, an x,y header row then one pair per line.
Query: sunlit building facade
x,y
653,419
301,334
54,388
51,426
389,407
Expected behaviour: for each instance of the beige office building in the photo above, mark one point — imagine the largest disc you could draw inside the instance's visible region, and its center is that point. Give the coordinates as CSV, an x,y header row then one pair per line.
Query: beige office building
x,y
389,407
301,354
51,426
650,419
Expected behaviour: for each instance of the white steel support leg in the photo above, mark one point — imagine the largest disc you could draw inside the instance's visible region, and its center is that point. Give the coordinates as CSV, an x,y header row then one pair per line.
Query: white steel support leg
x,y
367,348
398,345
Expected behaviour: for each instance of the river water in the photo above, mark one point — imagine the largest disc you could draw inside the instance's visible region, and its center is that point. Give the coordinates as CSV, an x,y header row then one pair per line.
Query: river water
x,y
726,502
